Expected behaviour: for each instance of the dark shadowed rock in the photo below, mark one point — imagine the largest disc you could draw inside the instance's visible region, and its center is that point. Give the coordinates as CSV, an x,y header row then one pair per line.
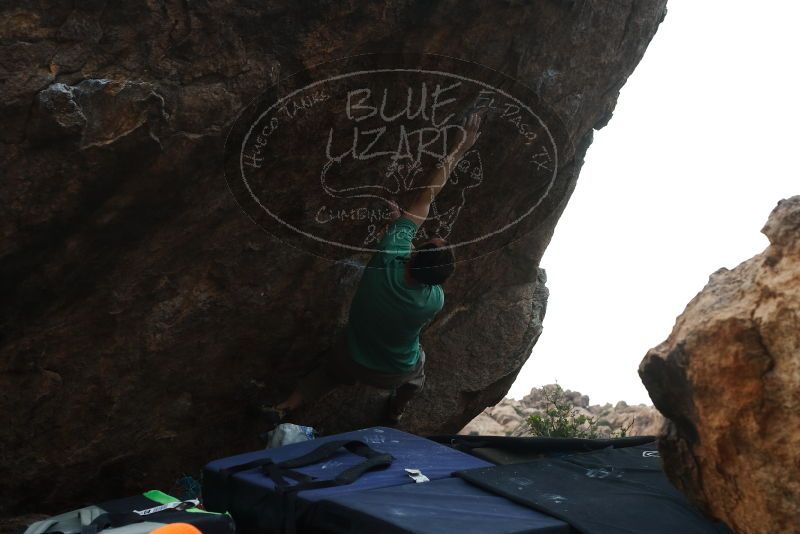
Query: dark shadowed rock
x,y
143,313
728,379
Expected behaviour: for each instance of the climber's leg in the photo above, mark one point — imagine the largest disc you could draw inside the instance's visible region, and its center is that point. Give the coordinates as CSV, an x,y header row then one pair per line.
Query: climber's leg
x,y
314,385
403,394
321,380
311,387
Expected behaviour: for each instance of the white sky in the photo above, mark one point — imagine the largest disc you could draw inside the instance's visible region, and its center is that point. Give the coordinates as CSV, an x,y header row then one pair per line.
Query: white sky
x,y
702,145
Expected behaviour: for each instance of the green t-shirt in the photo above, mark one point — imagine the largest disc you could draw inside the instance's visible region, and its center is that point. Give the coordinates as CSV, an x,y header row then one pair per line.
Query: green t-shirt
x,y
387,315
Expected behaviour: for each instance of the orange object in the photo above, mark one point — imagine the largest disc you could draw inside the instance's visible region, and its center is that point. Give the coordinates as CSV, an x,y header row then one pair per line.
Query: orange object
x,y
176,528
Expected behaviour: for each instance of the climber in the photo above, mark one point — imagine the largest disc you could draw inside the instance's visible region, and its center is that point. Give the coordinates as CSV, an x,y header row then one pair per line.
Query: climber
x,y
399,293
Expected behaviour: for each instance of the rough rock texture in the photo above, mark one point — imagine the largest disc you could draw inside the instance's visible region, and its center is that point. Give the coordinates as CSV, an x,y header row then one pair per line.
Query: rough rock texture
x,y
508,416
728,379
142,312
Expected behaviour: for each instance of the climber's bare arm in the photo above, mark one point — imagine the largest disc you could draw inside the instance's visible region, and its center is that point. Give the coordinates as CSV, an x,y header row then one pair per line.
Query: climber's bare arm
x,y
392,215
420,206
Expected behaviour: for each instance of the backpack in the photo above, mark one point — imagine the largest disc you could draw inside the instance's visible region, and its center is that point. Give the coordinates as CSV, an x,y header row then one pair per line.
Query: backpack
x,y
134,515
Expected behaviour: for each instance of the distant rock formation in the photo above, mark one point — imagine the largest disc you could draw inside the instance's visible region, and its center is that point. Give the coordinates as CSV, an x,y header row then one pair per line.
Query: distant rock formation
x,y
508,417
728,379
143,312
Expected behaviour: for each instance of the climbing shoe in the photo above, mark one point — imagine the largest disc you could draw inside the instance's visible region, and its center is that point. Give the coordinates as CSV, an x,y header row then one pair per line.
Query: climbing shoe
x,y
393,415
272,417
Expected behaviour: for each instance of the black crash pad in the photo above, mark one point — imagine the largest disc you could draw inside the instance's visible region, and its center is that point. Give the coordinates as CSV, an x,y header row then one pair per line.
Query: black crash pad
x,y
611,491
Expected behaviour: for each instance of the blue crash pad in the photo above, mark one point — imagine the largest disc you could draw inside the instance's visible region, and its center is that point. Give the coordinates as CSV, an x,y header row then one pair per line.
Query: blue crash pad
x,y
438,507
251,498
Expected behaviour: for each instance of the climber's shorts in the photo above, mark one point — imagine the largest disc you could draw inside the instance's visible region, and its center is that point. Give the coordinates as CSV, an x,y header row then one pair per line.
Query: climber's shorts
x,y
339,368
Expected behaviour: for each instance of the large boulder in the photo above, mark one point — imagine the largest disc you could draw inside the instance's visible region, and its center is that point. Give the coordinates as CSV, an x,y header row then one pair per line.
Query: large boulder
x,y
728,380
143,312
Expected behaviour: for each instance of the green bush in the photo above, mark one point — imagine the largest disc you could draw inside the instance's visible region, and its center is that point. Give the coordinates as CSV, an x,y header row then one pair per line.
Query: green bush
x,y
562,420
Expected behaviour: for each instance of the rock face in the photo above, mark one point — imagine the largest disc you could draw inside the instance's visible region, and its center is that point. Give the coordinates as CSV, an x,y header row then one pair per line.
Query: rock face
x,y
142,312
507,418
728,379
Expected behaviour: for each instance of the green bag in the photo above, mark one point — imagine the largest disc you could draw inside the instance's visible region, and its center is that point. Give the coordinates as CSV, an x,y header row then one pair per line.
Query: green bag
x,y
135,515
